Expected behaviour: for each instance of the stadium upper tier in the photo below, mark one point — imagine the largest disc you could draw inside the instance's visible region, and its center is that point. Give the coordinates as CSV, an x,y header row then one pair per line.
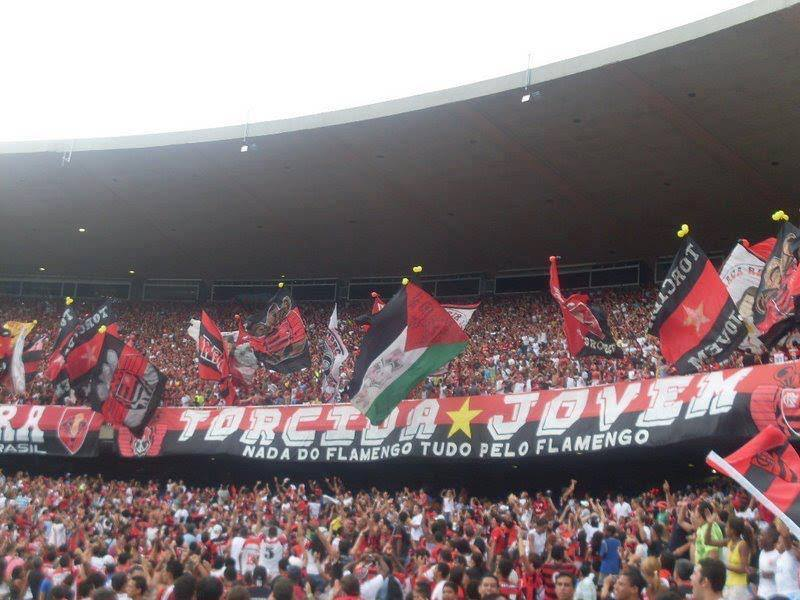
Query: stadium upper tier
x,y
613,149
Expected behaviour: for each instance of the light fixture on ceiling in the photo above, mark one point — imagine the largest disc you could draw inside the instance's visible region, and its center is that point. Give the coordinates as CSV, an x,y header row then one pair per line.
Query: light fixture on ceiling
x,y
66,157
41,268
527,95
81,229
245,147
131,272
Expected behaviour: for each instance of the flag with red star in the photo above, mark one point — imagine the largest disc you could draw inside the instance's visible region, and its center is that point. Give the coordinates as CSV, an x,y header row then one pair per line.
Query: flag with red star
x,y
694,316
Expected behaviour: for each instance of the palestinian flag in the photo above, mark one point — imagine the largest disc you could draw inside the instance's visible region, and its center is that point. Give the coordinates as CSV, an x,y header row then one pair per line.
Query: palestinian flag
x,y
768,467
694,316
408,339
461,313
585,325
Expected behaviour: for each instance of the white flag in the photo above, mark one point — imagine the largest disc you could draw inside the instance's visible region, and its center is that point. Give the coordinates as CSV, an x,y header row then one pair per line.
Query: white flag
x,y
741,274
333,357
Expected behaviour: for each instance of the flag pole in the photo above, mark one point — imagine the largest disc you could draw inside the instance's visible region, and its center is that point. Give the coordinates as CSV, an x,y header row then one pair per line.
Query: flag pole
x,y
719,463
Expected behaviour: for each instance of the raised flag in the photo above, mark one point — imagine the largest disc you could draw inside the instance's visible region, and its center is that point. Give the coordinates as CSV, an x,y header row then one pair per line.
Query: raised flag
x,y
768,467
585,325
408,339
774,307
278,335
377,305
242,360
55,361
694,317
461,313
12,344
74,333
213,360
33,357
333,356
123,385
16,367
741,274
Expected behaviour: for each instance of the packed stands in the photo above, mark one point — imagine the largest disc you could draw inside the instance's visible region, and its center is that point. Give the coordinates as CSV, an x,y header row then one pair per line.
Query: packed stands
x,y
516,344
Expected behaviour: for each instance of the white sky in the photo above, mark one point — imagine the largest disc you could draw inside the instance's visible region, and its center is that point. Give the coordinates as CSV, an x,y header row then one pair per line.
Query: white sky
x,y
76,69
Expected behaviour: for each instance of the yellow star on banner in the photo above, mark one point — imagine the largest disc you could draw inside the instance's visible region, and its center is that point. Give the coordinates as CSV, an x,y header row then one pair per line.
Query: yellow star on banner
x,y
461,419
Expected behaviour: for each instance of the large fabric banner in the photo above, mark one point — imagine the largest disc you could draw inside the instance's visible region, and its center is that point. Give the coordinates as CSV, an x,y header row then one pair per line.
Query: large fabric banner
x,y
49,430
734,405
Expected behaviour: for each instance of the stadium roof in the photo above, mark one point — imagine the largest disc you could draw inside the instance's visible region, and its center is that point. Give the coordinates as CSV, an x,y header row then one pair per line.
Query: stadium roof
x,y
614,150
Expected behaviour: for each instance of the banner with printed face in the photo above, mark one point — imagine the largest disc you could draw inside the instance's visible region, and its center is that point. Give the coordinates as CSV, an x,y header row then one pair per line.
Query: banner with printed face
x,y
49,430
734,404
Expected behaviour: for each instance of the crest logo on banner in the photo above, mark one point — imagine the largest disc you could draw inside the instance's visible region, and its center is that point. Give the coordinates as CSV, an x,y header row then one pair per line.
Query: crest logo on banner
x,y
73,427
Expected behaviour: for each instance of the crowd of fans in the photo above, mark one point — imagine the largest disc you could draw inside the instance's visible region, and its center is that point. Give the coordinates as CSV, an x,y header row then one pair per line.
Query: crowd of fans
x,y
75,538
516,345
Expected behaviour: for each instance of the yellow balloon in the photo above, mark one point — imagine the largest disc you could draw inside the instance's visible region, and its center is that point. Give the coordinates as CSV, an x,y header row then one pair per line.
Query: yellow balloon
x,y
405,280
417,269
68,301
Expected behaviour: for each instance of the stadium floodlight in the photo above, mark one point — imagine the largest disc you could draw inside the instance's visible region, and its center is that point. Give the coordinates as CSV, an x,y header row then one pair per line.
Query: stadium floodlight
x,y
245,147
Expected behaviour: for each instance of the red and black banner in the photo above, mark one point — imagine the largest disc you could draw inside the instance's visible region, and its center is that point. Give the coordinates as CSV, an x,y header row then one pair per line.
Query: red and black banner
x,y
775,304
278,335
694,316
585,325
213,360
123,385
49,431
729,406
77,347
33,357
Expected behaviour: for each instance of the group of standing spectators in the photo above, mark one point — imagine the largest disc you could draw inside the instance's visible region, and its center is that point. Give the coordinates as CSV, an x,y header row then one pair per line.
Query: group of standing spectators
x,y
80,538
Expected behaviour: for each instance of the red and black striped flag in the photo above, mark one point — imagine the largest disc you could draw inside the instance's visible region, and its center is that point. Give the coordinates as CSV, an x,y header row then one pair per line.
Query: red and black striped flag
x,y
768,467
33,357
775,303
585,325
213,360
278,335
694,316
122,384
